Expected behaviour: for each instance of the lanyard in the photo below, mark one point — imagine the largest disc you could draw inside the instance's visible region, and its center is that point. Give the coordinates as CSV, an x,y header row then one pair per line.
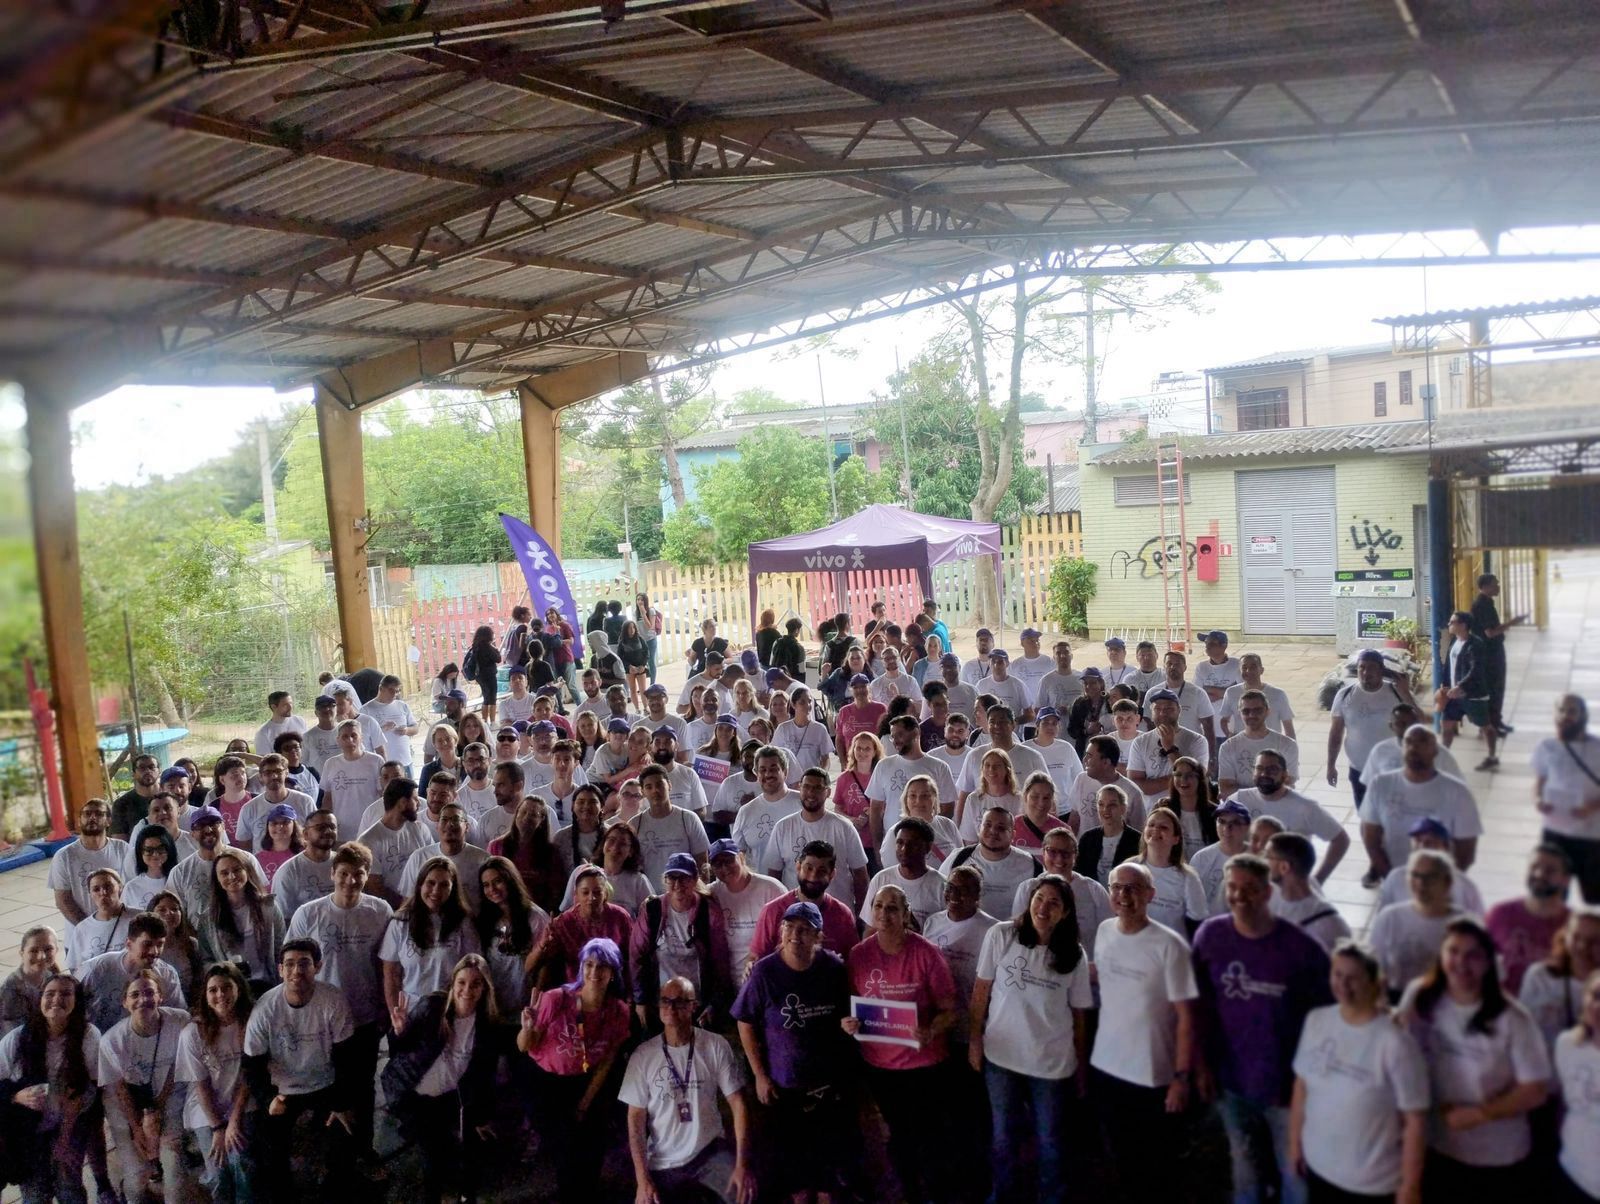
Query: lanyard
x,y
155,1055
680,1083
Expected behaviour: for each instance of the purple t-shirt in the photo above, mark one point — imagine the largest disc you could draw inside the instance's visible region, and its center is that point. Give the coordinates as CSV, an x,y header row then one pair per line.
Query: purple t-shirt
x,y
1254,998
797,1014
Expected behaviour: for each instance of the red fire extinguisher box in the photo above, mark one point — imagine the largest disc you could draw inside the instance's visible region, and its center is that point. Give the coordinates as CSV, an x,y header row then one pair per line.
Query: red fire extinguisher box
x,y
1205,558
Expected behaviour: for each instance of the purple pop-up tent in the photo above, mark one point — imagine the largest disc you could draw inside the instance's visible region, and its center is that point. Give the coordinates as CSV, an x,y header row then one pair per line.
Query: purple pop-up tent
x,y
879,537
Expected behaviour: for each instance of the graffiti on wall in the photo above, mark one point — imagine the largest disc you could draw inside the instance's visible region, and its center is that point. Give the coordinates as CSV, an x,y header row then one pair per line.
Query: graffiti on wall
x,y
1373,539
1155,558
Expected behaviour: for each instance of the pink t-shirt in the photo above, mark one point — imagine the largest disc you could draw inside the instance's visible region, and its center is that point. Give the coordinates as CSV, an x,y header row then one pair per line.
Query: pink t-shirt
x,y
852,719
850,794
230,815
573,1044
1023,835
1521,937
917,974
270,860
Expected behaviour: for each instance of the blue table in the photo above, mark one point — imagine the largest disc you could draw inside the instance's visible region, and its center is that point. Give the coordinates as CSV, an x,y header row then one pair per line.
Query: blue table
x,y
158,742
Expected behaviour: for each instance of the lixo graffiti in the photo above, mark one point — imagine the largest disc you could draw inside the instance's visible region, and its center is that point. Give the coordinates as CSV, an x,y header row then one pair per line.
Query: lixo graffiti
x,y
1373,539
1154,557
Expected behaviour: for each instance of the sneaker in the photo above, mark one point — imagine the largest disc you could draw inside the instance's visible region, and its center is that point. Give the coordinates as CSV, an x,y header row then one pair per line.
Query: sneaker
x,y
1372,880
1505,729
1488,763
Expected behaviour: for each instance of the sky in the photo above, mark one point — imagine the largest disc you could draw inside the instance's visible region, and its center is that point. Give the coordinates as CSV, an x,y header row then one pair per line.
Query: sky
x,y
139,432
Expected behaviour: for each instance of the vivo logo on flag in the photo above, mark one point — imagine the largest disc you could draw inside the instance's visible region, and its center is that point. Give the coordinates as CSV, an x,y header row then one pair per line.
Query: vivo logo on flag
x,y
547,584
969,547
836,560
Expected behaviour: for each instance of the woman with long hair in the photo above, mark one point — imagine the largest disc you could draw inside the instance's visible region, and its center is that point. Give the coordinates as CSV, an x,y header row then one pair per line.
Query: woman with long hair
x,y
1358,1116
896,963
511,927
1180,898
589,738
166,811
440,1078
723,743
761,727
649,620
529,845
51,1065
997,787
144,1107
426,937
635,654
219,1110
682,932
1193,799
283,839
448,678
573,1034
1552,990
621,856
767,634
105,928
591,915
919,799
1031,1044
156,854
850,790
1038,817
597,618
746,710
182,950
1577,1065
39,958
472,730
580,840
482,665
241,925
444,740
1488,1065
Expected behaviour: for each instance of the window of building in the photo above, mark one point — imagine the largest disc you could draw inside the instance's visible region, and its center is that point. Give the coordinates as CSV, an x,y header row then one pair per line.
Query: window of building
x,y
1380,399
1263,409
1405,388
1141,491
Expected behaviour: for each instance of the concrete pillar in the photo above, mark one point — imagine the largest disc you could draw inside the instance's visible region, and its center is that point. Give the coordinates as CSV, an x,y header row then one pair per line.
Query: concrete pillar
x,y
344,487
1441,562
55,545
541,451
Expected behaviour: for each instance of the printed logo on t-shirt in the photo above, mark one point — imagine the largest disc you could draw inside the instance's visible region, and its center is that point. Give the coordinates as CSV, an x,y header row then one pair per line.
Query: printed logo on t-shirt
x,y
1323,1059
796,1013
1237,984
1018,975
877,984
1584,1096
570,1040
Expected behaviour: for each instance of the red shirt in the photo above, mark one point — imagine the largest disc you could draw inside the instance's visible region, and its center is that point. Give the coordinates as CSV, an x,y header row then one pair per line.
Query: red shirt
x,y
839,933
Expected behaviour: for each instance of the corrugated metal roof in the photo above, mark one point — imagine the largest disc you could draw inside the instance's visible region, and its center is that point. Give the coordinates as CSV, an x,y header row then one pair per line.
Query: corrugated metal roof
x,y
1511,309
1305,354
1065,498
1453,431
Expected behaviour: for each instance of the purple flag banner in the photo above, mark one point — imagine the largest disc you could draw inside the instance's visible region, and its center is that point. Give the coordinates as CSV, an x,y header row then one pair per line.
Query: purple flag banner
x,y
547,584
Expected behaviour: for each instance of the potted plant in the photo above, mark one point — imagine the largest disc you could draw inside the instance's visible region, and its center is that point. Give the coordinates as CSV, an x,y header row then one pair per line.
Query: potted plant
x,y
1401,633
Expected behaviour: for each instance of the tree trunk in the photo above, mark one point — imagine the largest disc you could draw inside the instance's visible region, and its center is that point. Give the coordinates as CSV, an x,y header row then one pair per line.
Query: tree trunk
x,y
669,449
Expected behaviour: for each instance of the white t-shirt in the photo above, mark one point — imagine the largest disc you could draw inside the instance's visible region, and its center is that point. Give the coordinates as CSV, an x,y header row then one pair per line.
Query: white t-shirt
x,y
890,775
963,699
1209,864
924,895
954,760
1387,755
740,911
960,941
1194,706
698,1073
1025,761
1000,878
1145,756
1577,1066
1029,1025
1081,795
392,848
1406,941
1179,894
1090,898
479,801
1061,763
1298,812
1055,688
350,938
1555,1001
1567,787
273,728
946,840
425,970
1366,717
300,880
1359,1078
318,745
677,723
1394,804
1464,892
218,1064
1278,706
1013,691
1030,671
448,1068
1236,756
972,813
629,889
684,789
11,1067
885,688
126,1057
1467,1067
1142,975
974,671
192,877
93,936
679,831
395,747
348,786
253,819
792,833
1313,915
510,709
755,821
298,1041
467,862
809,747
72,864
733,793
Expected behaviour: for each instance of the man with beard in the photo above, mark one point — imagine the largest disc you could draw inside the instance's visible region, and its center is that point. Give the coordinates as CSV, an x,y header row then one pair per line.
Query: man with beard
x,y
1271,796
191,878
1237,754
656,715
1567,791
664,829
1196,712
1002,867
1398,798
73,863
955,747
273,773
308,874
976,669
350,780
1524,929
684,787
107,975
132,806
393,839
454,847
816,823
890,775
509,792
1153,753
813,875
756,818
476,794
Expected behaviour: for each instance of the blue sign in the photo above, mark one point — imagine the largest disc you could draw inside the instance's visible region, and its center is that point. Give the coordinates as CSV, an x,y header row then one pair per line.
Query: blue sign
x,y
547,584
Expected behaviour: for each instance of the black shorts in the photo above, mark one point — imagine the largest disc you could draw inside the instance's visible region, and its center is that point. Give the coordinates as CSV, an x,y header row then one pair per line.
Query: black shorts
x,y
1476,710
821,1162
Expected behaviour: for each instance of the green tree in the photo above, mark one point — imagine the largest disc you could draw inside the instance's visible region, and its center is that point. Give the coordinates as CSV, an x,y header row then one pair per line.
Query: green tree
x,y
777,486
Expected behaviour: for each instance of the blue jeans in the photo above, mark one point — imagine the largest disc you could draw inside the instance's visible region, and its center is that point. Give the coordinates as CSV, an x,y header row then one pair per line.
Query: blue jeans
x,y
230,1178
651,645
1258,1141
1022,1106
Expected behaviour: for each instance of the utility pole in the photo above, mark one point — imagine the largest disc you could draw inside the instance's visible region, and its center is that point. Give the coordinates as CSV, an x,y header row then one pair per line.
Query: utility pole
x,y
905,442
269,501
1091,433
827,439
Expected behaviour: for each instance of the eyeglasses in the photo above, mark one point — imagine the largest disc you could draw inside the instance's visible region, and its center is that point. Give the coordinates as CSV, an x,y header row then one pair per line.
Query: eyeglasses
x,y
677,1003
1123,888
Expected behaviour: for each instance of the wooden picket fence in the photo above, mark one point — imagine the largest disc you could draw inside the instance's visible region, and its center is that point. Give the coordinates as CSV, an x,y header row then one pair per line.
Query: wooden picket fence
x,y
417,639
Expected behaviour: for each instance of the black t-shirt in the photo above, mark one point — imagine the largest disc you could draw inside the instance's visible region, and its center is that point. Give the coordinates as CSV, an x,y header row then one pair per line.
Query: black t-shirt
x,y
1484,616
700,648
127,810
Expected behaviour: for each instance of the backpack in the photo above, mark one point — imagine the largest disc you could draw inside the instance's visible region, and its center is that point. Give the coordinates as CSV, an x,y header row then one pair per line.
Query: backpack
x,y
516,649
469,664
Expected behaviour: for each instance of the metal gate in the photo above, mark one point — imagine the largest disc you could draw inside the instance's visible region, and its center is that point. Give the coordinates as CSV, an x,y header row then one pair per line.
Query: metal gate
x,y
1287,551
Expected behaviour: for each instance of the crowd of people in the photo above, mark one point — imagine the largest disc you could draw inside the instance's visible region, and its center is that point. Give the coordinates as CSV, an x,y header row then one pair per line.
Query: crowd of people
x,y
1032,923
